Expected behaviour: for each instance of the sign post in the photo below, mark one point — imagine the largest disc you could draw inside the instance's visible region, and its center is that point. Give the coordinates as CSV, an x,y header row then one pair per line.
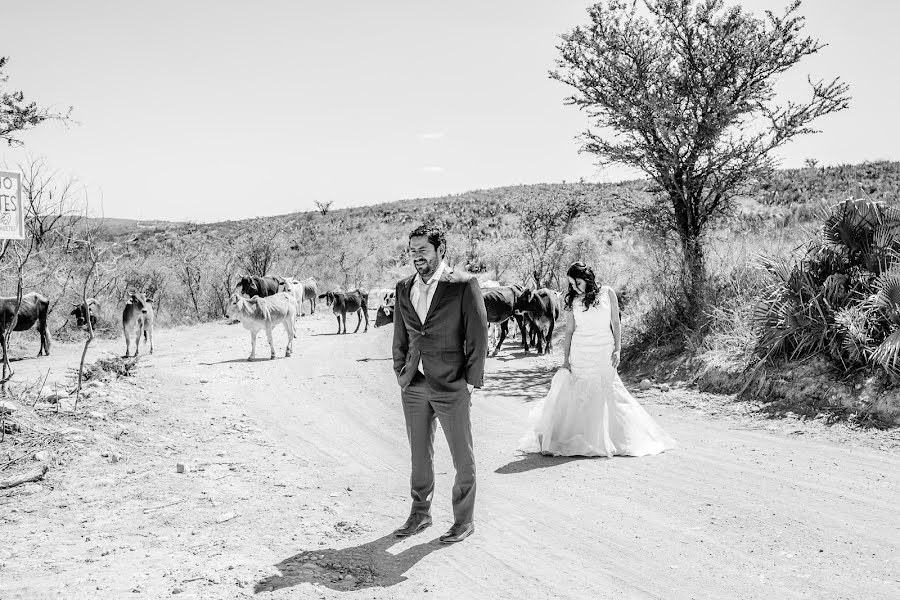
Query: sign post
x,y
12,213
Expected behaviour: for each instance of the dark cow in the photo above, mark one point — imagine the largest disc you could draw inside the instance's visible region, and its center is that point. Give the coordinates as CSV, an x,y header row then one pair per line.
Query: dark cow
x,y
354,301
137,317
33,309
81,312
259,286
541,309
500,304
385,314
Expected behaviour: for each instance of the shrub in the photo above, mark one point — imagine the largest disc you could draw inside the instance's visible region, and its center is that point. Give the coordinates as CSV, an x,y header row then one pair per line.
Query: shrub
x,y
842,299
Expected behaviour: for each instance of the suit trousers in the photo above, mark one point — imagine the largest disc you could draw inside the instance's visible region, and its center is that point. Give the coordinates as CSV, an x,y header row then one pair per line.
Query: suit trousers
x,y
421,407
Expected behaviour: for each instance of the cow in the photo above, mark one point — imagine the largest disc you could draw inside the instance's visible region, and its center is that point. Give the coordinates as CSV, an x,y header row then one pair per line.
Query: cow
x,y
265,313
81,311
493,328
541,309
32,310
386,308
310,293
354,301
259,286
137,318
500,303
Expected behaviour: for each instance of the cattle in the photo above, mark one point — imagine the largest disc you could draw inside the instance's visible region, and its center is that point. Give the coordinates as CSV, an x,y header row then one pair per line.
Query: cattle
x,y
303,291
354,301
81,311
137,318
541,310
493,328
265,313
310,293
259,286
500,303
386,308
32,310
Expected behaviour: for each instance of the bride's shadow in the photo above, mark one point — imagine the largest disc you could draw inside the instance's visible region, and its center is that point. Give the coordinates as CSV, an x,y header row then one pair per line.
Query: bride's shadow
x,y
530,462
368,565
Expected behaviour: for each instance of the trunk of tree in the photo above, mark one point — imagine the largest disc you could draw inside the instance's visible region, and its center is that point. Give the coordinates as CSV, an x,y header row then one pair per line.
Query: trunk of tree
x,y
693,277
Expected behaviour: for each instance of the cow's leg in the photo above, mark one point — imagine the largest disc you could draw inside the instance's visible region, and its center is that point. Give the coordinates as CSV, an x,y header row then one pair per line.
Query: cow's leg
x,y
504,327
344,319
148,333
253,344
271,343
312,305
45,338
520,321
289,327
137,340
127,341
338,317
359,320
365,313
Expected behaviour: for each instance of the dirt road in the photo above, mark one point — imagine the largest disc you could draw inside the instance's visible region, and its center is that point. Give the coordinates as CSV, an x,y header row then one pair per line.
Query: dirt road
x,y
298,471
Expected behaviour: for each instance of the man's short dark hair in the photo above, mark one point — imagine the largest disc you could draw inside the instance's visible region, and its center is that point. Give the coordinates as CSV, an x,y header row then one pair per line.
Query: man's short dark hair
x,y
434,234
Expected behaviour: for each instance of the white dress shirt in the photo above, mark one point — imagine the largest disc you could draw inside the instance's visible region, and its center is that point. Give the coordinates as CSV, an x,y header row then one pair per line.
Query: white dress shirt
x,y
415,292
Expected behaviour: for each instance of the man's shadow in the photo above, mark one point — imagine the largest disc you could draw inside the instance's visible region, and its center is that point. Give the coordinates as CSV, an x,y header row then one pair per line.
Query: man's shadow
x,y
364,566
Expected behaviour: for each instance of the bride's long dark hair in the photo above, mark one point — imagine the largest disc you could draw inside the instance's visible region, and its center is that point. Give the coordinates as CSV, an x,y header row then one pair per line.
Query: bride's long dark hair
x,y
581,271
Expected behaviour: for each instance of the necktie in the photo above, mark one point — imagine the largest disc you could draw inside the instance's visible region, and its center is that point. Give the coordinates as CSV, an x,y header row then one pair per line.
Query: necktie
x,y
422,302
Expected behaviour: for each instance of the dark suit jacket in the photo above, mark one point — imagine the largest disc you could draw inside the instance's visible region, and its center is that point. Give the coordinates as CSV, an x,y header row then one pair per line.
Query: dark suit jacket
x,y
452,342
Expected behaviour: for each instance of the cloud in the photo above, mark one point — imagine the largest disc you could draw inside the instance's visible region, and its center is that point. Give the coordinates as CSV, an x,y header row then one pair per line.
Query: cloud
x,y
430,136
433,169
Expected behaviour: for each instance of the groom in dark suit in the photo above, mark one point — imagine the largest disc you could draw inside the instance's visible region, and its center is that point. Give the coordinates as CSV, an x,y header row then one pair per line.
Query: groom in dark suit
x,y
440,344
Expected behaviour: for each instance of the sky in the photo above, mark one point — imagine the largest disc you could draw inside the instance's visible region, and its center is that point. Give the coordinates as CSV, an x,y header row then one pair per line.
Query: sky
x,y
212,110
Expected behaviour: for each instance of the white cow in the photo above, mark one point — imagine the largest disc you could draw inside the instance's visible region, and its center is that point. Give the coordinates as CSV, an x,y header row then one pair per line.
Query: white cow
x,y
265,313
303,291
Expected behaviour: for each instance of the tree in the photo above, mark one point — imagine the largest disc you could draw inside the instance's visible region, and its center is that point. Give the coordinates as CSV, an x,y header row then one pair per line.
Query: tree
x,y
17,115
260,247
324,207
190,271
51,203
687,88
545,219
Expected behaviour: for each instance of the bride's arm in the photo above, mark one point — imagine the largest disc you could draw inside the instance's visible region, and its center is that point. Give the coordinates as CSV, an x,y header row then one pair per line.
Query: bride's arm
x,y
567,338
615,325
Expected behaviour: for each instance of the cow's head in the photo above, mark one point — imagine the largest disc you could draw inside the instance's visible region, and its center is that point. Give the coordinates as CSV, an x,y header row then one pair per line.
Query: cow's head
x,y
329,297
81,311
247,286
139,301
385,314
525,301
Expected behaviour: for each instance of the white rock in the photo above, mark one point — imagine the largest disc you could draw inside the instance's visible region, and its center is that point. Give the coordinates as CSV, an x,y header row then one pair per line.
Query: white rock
x,y
646,384
43,455
7,407
664,387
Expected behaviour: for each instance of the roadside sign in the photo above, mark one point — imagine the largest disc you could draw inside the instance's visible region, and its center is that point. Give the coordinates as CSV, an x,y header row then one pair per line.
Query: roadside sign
x,y
12,214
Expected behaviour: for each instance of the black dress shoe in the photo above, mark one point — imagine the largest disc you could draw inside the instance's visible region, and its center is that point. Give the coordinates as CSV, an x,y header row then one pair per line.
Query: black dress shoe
x,y
458,533
414,524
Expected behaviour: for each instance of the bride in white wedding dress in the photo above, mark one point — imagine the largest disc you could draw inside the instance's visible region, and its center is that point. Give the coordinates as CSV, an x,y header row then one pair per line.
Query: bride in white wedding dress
x,y
588,411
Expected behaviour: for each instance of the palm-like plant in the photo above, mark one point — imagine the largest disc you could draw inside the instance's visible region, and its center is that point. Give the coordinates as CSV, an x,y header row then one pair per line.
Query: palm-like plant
x,y
842,299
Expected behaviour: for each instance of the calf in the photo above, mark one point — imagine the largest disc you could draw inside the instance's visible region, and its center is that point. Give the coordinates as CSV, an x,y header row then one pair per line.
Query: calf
x,y
500,303
541,309
385,314
265,313
137,318
342,303
259,286
83,310
32,310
